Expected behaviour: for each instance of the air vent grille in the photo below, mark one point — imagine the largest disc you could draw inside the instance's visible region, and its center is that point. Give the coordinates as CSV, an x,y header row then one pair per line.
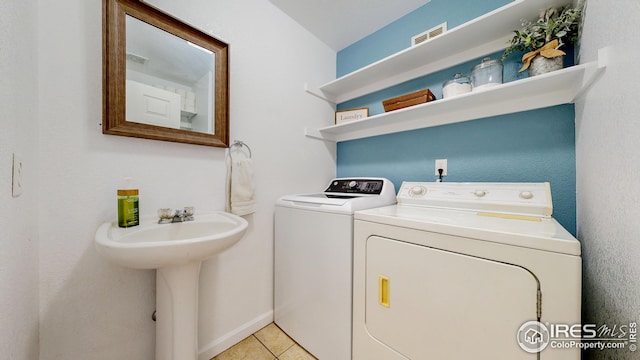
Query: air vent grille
x,y
136,58
429,34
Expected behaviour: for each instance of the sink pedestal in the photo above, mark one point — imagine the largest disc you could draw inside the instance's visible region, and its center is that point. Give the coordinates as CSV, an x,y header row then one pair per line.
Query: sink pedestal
x,y
176,251
177,312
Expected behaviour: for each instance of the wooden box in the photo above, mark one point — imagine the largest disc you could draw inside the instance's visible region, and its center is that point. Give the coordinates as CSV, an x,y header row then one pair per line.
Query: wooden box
x,y
414,98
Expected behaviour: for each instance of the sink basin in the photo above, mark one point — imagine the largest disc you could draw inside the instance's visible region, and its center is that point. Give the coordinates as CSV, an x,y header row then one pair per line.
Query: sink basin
x,y
151,245
176,250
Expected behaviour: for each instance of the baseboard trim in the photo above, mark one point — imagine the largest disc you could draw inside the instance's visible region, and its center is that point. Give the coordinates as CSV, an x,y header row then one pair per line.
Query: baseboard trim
x,y
216,346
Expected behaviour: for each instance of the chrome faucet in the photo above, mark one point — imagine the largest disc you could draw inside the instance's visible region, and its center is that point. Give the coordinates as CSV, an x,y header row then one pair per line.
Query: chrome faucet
x,y
167,217
179,216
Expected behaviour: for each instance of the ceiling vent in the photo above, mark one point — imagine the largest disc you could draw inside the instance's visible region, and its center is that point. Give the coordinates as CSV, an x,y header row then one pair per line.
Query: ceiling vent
x,y
136,58
431,33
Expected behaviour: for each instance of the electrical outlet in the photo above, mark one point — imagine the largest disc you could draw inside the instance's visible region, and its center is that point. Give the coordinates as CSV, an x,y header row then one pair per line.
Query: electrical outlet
x,y
441,164
17,176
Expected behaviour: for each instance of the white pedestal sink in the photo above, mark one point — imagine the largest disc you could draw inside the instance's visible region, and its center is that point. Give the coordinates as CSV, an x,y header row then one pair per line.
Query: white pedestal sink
x,y
176,251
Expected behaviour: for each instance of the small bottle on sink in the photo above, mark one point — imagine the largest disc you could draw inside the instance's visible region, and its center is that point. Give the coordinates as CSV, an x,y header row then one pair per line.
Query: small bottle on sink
x,y
128,211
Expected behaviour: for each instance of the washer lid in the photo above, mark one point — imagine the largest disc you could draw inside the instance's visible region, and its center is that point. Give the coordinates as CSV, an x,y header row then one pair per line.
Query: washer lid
x,y
334,200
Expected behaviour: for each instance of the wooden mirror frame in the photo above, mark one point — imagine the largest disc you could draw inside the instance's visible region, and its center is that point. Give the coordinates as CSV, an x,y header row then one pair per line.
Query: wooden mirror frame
x,y
114,75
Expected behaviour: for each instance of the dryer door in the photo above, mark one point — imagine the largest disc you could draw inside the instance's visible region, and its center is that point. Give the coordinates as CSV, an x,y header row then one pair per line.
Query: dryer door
x,y
426,303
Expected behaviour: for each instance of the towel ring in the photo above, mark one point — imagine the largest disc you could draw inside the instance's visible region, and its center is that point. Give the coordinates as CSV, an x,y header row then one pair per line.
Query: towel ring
x,y
240,144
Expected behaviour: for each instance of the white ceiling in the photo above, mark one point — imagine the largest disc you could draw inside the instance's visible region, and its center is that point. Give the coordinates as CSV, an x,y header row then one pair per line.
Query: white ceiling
x,y
340,23
165,55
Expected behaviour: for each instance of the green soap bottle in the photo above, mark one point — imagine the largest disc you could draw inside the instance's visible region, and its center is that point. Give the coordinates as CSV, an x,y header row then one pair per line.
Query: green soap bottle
x,y
128,212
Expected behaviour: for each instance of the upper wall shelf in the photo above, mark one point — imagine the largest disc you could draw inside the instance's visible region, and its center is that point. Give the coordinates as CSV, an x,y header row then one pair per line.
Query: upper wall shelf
x,y
555,88
481,36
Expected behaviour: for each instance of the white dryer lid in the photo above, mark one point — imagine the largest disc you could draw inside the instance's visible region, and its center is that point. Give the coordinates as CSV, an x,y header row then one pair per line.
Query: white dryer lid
x,y
517,214
541,234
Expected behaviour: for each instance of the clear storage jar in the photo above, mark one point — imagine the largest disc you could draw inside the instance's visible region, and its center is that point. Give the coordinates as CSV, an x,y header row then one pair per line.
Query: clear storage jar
x,y
460,84
486,74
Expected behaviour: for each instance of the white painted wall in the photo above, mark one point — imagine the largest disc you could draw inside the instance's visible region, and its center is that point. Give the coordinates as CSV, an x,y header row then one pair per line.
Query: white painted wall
x,y
608,170
18,216
91,309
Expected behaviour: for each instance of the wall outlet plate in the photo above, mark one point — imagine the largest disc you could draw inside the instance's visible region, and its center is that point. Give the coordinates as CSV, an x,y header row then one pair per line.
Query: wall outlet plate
x,y
17,176
441,164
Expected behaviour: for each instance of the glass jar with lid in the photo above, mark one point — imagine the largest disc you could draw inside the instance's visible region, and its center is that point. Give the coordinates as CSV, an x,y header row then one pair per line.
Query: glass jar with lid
x,y
460,84
486,74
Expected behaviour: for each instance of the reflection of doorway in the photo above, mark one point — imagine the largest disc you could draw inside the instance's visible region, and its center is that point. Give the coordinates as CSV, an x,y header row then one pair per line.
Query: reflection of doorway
x,y
149,105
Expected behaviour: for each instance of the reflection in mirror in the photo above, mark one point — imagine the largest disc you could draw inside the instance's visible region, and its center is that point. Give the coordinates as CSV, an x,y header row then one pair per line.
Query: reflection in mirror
x,y
163,79
169,79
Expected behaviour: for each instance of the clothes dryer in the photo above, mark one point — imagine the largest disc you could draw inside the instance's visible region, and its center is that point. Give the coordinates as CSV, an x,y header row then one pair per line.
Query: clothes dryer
x,y
464,271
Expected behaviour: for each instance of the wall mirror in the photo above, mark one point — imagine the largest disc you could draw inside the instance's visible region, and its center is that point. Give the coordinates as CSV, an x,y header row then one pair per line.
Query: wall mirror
x,y
162,79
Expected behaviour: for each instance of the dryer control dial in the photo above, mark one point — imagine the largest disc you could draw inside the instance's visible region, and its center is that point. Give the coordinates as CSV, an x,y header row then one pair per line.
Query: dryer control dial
x,y
417,191
479,193
526,195
352,184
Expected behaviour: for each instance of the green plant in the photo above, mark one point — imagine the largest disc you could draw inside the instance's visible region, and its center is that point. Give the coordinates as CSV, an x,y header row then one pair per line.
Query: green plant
x,y
559,24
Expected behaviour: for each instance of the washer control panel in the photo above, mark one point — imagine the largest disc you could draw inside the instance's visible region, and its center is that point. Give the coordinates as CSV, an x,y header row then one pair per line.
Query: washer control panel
x,y
356,186
507,198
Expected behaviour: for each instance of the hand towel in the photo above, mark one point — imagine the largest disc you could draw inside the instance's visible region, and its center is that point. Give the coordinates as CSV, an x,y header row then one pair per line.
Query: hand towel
x,y
240,186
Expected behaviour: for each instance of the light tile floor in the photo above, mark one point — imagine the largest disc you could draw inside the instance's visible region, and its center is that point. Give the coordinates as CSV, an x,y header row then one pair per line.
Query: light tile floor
x,y
268,343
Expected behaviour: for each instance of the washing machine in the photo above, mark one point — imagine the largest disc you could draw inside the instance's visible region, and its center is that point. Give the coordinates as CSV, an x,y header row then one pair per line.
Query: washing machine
x,y
314,260
462,271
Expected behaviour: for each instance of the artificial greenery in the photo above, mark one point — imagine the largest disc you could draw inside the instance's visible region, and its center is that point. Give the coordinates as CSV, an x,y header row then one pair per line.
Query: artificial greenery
x,y
553,24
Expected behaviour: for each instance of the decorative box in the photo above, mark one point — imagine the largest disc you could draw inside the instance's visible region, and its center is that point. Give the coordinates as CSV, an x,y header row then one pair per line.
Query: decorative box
x,y
414,98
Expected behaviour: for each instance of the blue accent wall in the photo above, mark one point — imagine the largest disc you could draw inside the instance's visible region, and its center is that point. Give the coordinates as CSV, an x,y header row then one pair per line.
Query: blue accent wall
x,y
531,146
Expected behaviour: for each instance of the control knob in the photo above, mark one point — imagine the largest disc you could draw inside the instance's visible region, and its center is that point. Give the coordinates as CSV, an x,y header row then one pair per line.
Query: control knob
x,y
526,195
417,190
479,193
352,184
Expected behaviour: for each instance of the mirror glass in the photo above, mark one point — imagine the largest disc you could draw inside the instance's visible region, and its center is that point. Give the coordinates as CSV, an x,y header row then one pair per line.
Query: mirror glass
x,y
163,79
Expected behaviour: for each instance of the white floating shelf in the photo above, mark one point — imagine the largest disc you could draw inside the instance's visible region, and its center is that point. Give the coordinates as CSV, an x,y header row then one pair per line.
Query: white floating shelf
x,y
481,36
555,88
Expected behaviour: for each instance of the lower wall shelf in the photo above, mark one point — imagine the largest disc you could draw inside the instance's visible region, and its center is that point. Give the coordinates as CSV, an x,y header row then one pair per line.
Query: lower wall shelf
x,y
555,88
